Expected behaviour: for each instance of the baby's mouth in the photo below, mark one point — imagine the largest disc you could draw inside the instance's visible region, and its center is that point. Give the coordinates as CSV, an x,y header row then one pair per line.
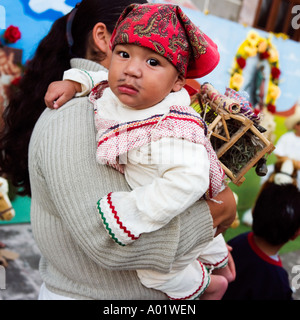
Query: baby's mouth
x,y
127,89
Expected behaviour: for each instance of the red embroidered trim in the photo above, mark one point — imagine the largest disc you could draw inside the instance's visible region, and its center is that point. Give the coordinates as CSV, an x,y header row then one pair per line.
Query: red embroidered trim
x,y
130,235
197,292
215,264
197,122
136,126
116,133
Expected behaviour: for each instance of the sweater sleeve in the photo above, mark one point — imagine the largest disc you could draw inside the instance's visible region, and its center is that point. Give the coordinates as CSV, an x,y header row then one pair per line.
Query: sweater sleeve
x,y
67,182
182,178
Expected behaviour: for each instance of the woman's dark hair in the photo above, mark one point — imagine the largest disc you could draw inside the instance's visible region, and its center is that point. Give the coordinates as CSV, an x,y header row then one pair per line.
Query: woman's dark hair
x,y
276,214
51,59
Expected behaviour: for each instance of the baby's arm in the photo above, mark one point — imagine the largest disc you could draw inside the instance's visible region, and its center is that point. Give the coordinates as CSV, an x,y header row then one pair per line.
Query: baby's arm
x,y
182,179
76,82
60,92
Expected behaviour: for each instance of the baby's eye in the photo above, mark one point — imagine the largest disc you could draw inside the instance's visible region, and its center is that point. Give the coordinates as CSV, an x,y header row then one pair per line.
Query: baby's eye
x,y
153,62
124,54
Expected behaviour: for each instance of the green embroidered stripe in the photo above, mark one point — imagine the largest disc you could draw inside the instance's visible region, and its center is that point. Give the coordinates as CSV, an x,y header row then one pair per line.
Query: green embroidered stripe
x,y
89,77
200,293
113,236
222,266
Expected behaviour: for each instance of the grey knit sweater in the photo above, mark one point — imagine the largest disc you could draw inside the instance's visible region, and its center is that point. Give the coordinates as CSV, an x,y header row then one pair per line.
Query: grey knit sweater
x,y
79,259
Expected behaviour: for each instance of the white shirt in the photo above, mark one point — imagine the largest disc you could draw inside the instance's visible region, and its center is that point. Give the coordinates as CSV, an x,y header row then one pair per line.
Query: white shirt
x,y
167,176
288,145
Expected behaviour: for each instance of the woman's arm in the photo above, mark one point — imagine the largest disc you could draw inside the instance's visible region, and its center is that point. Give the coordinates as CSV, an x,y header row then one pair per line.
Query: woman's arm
x,y
223,211
62,157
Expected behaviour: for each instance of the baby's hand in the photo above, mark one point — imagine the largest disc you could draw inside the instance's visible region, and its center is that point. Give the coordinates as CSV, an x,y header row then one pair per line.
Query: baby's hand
x,y
60,92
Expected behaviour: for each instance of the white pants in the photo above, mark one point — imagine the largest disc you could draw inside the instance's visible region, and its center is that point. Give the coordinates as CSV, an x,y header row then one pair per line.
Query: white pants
x,y
46,294
188,277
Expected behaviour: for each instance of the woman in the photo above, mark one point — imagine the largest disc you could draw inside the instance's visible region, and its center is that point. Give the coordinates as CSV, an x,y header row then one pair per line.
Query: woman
x,y
79,259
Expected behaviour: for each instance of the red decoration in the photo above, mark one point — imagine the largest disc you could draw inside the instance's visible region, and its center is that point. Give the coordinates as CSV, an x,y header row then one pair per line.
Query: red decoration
x,y
264,55
173,35
241,62
12,34
271,108
275,72
16,81
256,111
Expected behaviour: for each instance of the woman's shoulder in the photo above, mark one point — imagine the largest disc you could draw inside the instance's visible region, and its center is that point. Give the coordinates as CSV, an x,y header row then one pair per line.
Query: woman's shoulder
x,y
76,114
75,106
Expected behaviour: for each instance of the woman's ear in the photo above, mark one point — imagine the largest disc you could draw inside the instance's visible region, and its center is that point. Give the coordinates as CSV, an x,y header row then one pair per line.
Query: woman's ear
x,y
101,37
101,44
179,83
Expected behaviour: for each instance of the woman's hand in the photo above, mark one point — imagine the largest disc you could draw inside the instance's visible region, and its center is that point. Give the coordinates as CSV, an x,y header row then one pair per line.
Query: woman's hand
x,y
223,213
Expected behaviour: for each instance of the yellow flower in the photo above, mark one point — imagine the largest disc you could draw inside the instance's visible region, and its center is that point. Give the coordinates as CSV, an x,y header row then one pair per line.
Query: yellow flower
x,y
250,51
253,38
274,91
241,51
274,55
281,35
236,81
262,46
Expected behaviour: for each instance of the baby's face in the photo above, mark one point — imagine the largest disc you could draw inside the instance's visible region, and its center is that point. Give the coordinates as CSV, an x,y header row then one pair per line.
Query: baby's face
x,y
140,77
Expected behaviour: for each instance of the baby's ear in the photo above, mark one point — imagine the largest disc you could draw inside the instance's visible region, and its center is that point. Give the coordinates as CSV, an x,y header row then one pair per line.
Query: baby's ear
x,y
179,83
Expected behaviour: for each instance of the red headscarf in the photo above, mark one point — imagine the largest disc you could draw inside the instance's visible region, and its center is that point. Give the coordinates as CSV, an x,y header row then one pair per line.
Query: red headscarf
x,y
166,30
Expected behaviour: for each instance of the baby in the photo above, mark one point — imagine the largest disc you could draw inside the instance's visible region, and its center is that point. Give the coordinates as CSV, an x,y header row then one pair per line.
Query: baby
x,y
147,130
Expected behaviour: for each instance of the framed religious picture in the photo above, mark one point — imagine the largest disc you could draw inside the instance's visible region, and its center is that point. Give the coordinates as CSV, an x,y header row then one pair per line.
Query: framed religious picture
x,y
10,73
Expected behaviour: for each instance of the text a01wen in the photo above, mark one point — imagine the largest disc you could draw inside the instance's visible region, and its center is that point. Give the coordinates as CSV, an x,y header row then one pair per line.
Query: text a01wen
x,y
152,309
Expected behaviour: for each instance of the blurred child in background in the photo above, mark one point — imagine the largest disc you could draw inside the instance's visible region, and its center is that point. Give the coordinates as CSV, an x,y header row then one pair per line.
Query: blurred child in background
x,y
259,271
